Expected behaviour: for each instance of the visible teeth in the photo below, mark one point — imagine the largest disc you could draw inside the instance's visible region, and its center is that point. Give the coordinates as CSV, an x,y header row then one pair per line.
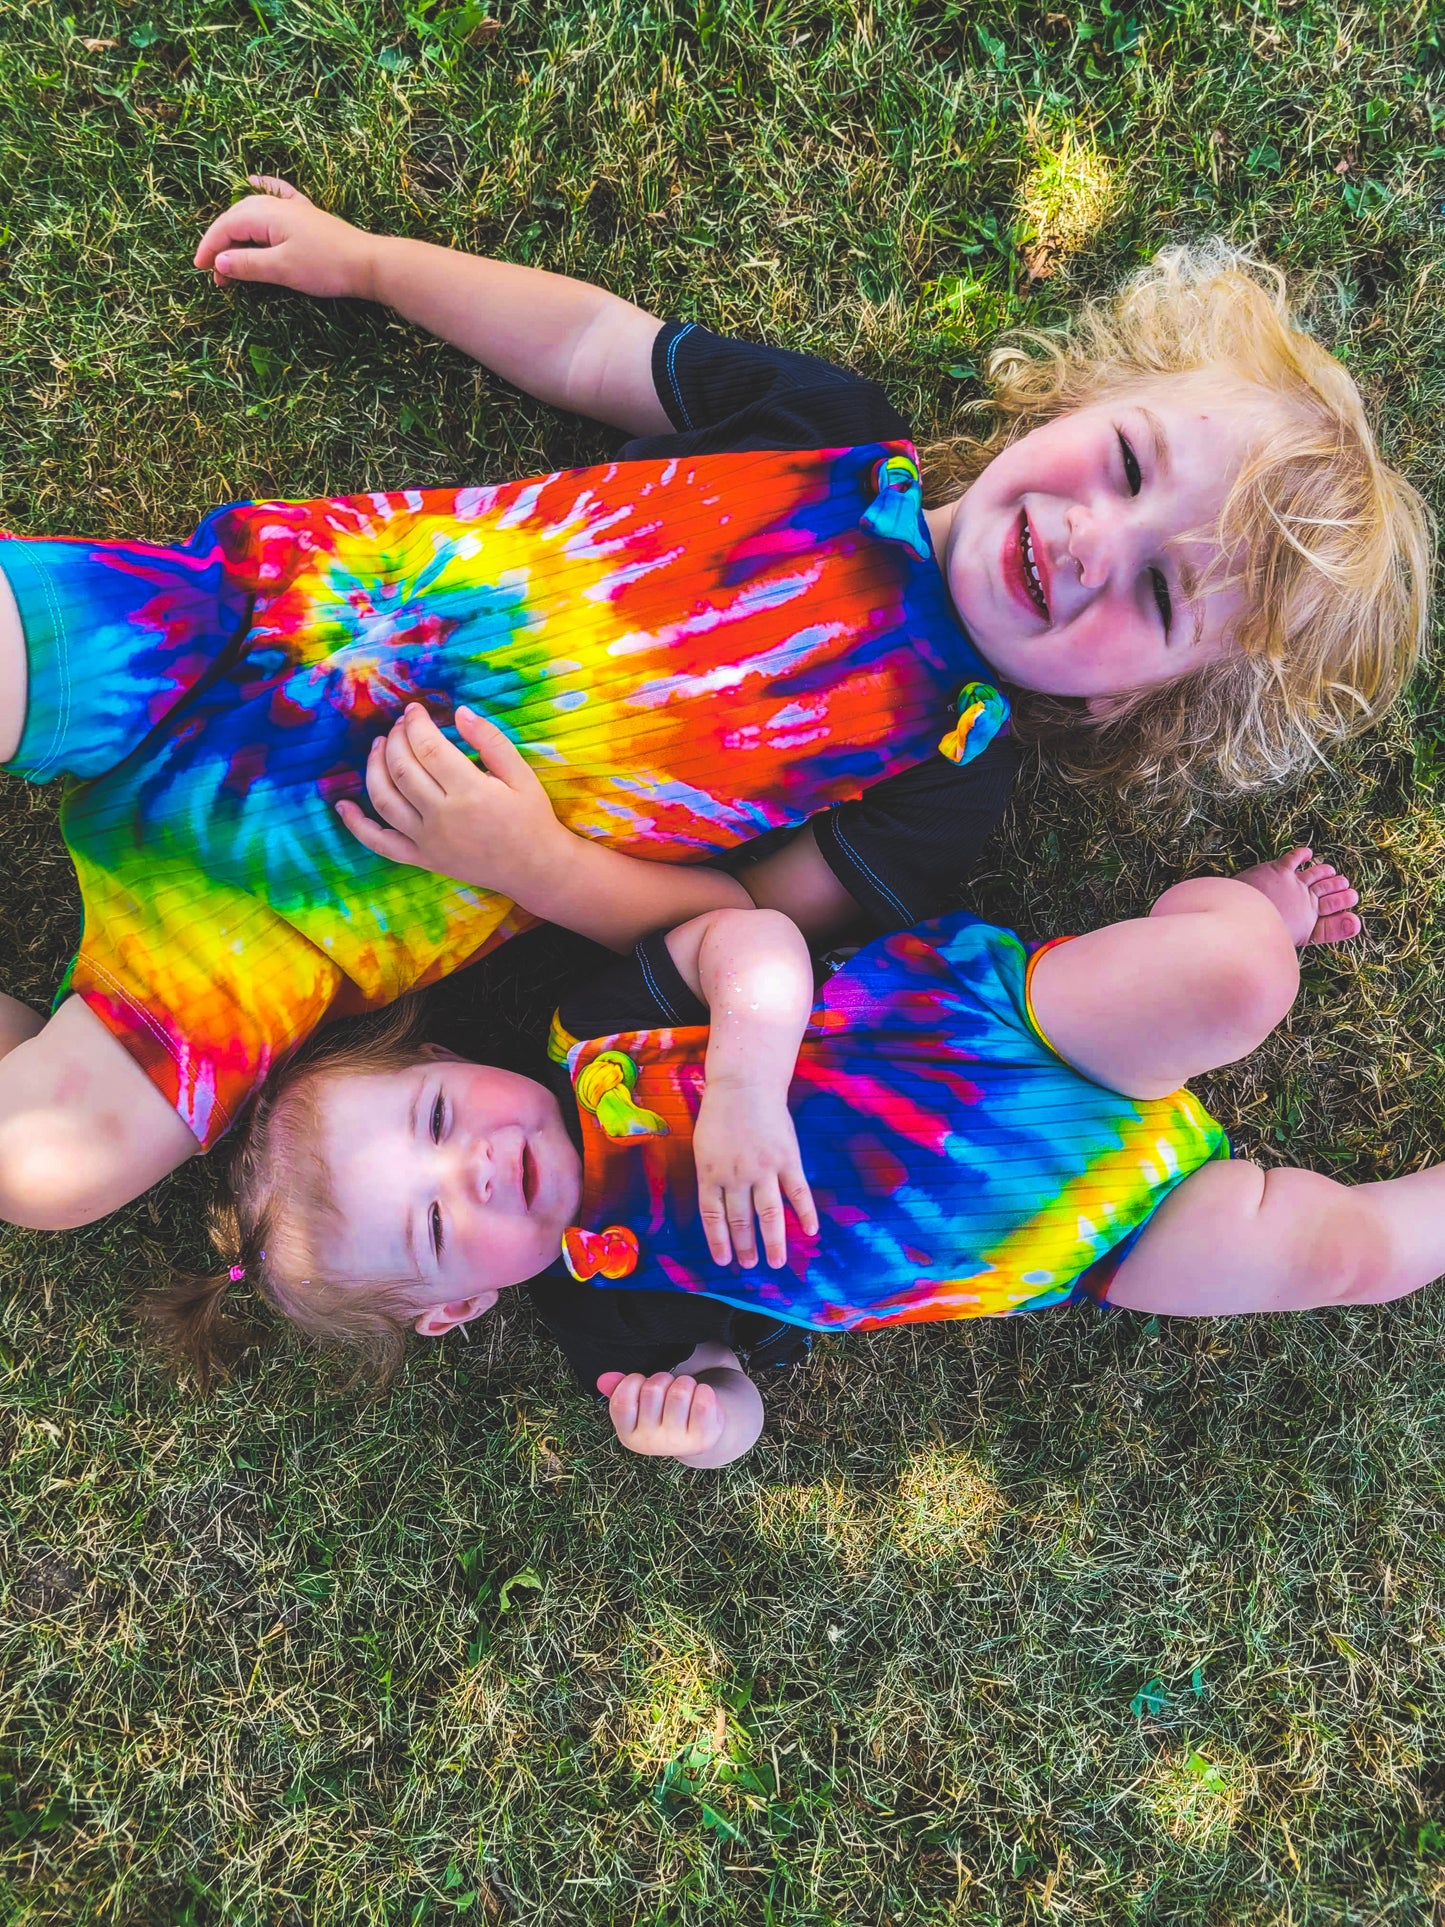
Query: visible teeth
x,y
1029,569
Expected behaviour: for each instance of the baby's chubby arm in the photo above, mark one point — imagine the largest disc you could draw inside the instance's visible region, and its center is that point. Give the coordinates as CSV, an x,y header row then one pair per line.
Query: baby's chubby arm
x,y
752,970
705,1413
565,341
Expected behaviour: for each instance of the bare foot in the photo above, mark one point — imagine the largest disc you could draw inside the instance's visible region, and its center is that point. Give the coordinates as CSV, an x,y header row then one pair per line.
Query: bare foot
x,y
1315,901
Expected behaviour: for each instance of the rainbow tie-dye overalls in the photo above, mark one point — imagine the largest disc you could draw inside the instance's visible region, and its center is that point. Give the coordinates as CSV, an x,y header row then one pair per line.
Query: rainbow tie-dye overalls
x,y
959,1166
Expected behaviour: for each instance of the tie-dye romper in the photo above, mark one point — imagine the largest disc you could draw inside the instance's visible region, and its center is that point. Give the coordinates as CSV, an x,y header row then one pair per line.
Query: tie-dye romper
x,y
690,652
960,1167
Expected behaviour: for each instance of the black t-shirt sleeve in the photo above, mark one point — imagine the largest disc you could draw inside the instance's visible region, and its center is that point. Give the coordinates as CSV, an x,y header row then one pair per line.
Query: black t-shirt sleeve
x,y
904,846
627,1331
725,396
635,993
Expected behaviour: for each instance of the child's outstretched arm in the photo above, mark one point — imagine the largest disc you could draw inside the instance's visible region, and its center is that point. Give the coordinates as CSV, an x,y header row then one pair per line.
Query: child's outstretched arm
x,y
705,1413
83,1130
565,341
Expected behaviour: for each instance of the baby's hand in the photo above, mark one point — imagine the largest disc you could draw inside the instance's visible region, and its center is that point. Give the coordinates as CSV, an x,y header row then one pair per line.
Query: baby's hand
x,y
280,236
746,1151
440,812
1313,898
662,1416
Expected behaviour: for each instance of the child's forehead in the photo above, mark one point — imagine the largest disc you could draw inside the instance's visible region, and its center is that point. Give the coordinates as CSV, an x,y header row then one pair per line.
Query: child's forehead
x,y
1187,391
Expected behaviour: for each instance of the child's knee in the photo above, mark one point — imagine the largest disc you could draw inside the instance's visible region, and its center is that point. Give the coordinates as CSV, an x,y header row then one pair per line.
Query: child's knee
x,y
1245,962
1246,979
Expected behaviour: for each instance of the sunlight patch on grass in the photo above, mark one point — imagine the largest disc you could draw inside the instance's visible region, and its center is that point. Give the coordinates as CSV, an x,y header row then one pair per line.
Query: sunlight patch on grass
x,y
1065,198
946,1507
673,1673
1198,1796
830,1513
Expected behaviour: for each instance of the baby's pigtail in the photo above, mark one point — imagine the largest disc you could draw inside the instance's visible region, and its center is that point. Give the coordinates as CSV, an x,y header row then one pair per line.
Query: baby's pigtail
x,y
191,1320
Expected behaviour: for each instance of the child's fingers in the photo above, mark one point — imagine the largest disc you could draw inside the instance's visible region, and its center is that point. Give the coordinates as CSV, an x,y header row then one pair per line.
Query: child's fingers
x,y
273,184
739,1206
705,1420
651,1399
386,799
608,1383
678,1402
413,771
772,1221
247,264
713,1213
622,1402
442,761
1292,859
800,1195
253,225
495,747
376,837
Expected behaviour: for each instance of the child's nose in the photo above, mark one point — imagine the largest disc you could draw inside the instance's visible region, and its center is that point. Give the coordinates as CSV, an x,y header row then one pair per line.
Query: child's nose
x,y
1087,542
473,1168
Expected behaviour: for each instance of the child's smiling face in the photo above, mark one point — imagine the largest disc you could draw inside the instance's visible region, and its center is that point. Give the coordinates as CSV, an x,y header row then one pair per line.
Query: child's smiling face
x,y
1065,558
455,1180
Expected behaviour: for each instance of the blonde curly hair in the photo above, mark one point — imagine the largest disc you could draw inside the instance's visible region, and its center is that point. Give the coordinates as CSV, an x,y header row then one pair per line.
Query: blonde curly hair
x,y
1330,548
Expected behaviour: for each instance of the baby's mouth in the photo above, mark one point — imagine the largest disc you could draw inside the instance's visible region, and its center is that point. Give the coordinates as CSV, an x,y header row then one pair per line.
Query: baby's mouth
x,y
529,1177
1033,582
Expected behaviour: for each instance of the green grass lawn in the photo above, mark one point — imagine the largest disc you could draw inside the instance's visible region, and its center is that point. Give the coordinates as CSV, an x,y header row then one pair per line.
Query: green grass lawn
x,y
1069,1619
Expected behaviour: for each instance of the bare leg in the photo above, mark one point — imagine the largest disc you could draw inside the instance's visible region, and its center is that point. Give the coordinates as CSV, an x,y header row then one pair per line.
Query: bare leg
x,y
1233,1238
13,673
1146,1005
1205,977
83,1130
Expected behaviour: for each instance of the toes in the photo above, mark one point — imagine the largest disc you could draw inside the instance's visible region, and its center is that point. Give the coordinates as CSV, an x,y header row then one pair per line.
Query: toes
x,y
1336,929
1329,902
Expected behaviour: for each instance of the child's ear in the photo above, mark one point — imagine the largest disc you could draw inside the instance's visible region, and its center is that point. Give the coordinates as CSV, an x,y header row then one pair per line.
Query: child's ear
x,y
437,1320
438,1054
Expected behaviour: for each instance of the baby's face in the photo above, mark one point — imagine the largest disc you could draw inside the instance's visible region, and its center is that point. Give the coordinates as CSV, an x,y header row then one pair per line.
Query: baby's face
x,y
1064,558
458,1178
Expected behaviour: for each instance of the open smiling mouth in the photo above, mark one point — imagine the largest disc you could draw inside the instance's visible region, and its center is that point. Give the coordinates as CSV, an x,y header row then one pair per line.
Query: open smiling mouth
x,y
529,1177
1032,581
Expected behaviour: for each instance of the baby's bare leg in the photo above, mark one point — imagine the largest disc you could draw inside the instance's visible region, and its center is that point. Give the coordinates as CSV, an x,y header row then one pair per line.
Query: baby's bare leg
x,y
13,674
1233,1238
1144,1006
83,1130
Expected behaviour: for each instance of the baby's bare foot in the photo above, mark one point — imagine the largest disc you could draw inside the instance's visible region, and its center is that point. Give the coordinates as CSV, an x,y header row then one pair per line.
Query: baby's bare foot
x,y
1315,901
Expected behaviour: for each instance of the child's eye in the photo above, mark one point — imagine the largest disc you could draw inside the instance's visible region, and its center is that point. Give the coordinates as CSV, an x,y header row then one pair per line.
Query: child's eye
x,y
438,1236
1163,600
1133,474
438,1117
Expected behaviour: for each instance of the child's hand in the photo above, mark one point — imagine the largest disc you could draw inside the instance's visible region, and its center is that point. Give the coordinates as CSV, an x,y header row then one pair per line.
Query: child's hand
x,y
663,1416
746,1151
1313,898
281,237
440,812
